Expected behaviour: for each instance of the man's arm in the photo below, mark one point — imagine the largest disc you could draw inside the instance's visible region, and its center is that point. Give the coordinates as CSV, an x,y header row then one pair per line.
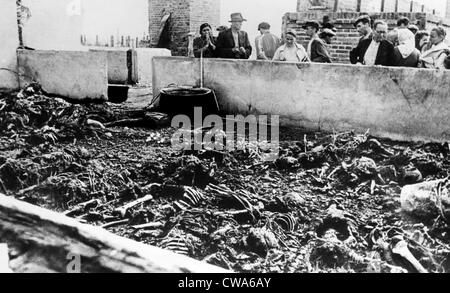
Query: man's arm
x,y
247,47
259,49
389,54
355,53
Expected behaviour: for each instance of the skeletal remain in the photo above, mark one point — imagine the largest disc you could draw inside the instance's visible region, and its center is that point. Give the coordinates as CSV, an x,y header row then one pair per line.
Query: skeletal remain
x,y
116,223
401,248
122,211
82,207
149,226
95,124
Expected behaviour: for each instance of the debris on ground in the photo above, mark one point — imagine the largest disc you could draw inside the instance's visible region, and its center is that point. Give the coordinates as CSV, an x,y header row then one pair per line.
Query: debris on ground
x,y
340,202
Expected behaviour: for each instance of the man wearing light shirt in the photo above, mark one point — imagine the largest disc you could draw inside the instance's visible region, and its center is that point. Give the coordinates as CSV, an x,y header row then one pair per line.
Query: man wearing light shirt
x,y
376,51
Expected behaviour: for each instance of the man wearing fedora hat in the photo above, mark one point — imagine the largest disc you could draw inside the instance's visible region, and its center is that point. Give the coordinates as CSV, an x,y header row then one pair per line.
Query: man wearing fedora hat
x,y
234,43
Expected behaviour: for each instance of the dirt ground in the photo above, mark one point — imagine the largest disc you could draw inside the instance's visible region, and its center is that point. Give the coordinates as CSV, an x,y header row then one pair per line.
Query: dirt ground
x,y
330,203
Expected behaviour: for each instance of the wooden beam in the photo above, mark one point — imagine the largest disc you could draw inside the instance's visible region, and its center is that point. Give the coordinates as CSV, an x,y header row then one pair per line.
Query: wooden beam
x,y
44,241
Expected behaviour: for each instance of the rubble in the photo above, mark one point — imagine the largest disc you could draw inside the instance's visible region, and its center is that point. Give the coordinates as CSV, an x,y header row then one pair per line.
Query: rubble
x,y
330,203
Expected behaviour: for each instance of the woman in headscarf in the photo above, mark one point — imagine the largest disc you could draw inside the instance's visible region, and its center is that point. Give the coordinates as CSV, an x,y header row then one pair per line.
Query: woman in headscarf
x,y
422,41
206,43
435,57
406,54
291,51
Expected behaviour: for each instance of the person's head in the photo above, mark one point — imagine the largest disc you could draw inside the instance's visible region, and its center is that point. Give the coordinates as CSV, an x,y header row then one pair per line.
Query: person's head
x,y
380,30
363,25
205,30
222,28
312,28
392,37
413,28
437,35
422,38
264,27
290,38
236,21
327,35
406,38
403,22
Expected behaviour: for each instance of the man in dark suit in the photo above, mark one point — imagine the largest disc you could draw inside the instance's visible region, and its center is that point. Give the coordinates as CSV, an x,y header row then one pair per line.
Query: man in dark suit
x,y
363,25
375,51
234,43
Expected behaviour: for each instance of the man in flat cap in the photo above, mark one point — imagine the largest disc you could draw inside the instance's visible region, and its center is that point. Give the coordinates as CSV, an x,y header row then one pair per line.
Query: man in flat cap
x,y
234,43
327,35
266,43
317,49
363,25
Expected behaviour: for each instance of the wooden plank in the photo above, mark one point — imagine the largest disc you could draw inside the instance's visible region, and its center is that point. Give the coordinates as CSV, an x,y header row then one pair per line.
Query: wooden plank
x,y
44,241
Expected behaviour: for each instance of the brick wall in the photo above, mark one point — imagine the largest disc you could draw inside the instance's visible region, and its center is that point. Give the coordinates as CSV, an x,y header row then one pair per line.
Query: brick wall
x,y
204,11
187,16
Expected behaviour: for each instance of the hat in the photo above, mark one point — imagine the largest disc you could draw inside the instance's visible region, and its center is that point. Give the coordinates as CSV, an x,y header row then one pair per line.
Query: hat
x,y
264,25
292,33
237,17
203,26
363,18
330,26
328,32
313,24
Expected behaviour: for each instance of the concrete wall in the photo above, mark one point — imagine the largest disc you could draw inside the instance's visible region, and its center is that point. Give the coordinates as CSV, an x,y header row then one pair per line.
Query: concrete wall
x,y
53,25
141,66
119,68
145,65
77,75
10,42
398,103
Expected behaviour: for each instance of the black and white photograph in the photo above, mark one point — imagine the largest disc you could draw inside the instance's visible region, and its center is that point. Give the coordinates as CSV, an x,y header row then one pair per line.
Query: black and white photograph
x,y
241,139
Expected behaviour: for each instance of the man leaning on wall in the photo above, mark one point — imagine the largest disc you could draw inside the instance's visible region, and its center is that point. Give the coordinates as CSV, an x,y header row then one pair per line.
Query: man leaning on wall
x,y
234,42
266,43
375,51
363,25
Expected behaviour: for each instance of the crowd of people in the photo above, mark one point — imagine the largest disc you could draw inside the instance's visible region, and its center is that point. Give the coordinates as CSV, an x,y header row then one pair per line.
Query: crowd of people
x,y
404,46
